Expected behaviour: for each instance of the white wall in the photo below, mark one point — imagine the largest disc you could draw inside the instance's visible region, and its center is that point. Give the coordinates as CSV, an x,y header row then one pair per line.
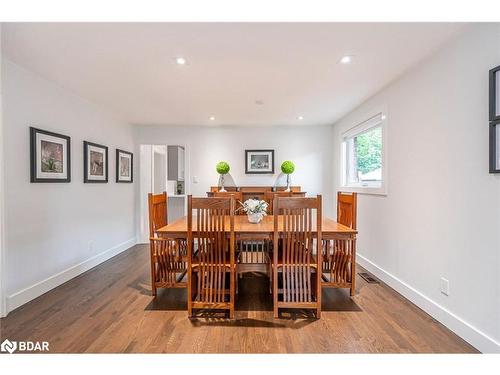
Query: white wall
x,y
3,305
310,148
441,217
58,230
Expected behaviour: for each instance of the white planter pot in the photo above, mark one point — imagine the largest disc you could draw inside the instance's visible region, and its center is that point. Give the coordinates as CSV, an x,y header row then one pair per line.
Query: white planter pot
x,y
255,218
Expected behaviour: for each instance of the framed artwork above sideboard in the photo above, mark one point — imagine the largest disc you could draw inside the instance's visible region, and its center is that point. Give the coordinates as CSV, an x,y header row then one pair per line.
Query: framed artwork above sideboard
x,y
259,161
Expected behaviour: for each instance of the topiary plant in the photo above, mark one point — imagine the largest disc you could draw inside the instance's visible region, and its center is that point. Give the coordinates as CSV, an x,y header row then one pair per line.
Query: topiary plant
x,y
287,167
222,167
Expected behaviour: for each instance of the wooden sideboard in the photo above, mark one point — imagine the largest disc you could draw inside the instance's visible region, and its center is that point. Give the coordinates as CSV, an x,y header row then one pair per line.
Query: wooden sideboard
x,y
257,192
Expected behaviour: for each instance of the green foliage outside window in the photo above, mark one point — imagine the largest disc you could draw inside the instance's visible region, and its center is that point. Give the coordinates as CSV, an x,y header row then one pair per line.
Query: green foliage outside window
x,y
369,150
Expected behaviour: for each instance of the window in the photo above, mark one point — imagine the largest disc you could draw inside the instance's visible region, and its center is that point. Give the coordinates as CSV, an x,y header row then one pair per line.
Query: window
x,y
363,147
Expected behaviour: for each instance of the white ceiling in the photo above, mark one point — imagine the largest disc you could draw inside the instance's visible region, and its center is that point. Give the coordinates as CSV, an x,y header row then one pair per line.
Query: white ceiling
x,y
293,68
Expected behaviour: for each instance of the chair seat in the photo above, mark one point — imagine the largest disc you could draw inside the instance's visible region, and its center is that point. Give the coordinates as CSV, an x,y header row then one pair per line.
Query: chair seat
x,y
312,262
212,262
195,264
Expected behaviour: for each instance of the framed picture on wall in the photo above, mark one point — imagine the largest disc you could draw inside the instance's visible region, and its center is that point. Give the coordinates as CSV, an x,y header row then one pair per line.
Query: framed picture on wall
x,y
50,156
495,94
95,163
259,161
495,147
124,166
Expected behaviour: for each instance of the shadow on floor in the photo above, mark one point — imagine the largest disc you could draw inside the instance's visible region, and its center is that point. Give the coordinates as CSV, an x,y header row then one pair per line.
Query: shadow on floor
x,y
205,319
141,286
253,295
169,300
297,320
333,299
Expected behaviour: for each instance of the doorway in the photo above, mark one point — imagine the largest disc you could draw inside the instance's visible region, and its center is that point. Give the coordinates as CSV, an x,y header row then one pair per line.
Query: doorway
x,y
163,168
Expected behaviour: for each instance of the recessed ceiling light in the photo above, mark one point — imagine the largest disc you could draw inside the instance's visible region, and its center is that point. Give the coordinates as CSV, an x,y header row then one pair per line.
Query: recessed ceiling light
x,y
211,118
346,59
300,118
180,60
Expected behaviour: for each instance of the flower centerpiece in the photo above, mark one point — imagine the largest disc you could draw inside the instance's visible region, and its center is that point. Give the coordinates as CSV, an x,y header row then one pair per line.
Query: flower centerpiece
x,y
255,209
287,167
222,168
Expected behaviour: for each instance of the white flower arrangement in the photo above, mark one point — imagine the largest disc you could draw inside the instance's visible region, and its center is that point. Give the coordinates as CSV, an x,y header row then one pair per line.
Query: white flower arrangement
x,y
254,206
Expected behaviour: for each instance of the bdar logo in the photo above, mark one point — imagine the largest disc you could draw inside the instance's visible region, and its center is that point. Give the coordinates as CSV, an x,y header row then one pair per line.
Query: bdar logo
x,y
24,346
8,346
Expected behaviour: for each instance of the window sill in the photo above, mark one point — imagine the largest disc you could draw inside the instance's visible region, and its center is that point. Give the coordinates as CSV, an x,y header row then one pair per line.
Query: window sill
x,y
365,190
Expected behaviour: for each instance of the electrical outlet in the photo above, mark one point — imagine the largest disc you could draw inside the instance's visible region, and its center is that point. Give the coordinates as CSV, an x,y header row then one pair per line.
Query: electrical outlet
x,y
195,179
91,245
445,286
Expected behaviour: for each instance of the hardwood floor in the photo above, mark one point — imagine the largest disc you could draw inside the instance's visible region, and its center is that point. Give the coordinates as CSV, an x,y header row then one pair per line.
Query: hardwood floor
x,y
109,309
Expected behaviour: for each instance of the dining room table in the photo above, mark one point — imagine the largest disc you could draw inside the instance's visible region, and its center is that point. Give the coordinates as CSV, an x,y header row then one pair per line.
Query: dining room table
x,y
334,235
330,229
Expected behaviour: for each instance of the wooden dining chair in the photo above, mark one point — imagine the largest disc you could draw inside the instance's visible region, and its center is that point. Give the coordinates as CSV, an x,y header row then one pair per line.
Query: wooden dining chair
x,y
158,212
296,264
237,195
347,206
339,255
270,195
252,256
168,256
269,198
211,268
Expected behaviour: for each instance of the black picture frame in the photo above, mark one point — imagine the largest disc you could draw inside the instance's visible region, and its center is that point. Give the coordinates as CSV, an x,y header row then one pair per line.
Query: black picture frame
x,y
249,170
34,172
494,147
118,152
494,94
86,150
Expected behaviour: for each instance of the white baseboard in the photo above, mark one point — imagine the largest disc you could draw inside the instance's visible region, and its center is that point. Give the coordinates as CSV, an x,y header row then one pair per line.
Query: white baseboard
x,y
23,296
465,330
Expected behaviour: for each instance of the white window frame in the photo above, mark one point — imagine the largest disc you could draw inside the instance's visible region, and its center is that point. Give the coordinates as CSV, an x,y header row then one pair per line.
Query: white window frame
x,y
378,118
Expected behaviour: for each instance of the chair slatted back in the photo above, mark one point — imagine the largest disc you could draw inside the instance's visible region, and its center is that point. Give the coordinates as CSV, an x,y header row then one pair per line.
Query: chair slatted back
x,y
158,210
347,209
270,195
298,259
237,195
213,239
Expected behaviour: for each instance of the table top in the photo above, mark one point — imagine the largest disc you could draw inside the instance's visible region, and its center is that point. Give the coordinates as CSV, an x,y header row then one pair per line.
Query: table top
x,y
242,225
